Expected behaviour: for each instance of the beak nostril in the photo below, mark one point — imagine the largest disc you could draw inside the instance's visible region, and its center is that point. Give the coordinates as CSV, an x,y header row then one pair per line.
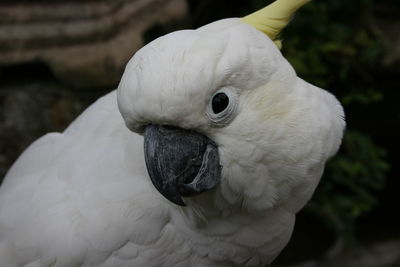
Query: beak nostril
x,y
166,129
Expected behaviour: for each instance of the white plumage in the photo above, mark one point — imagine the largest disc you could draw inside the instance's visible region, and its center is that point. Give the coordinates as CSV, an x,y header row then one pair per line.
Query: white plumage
x,y
84,197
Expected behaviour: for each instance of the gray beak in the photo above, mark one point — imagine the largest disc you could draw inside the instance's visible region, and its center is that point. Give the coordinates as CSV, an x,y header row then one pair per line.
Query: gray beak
x,y
180,162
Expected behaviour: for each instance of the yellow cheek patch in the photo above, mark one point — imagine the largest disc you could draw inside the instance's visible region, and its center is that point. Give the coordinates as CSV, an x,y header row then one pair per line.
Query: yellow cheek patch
x,y
273,18
272,100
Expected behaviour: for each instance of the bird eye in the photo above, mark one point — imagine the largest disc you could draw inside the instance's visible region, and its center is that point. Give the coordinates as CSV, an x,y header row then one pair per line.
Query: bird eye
x,y
222,106
220,102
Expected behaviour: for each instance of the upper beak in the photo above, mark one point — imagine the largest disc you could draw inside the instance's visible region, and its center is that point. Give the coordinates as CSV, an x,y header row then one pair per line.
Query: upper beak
x,y
180,162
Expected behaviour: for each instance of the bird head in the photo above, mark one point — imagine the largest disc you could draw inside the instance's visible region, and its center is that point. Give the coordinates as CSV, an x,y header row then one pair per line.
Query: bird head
x,y
226,119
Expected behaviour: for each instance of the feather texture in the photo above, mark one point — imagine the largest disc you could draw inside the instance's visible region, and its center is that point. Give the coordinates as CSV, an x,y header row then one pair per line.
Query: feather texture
x,y
84,198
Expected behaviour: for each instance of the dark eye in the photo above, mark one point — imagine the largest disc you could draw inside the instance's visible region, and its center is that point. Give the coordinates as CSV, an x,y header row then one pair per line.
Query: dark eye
x,y
219,102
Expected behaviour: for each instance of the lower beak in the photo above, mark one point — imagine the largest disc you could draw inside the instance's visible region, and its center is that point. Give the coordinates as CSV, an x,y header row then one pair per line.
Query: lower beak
x,y
180,162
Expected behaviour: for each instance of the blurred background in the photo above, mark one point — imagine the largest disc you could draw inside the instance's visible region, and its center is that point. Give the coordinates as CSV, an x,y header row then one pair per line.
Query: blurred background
x,y
57,57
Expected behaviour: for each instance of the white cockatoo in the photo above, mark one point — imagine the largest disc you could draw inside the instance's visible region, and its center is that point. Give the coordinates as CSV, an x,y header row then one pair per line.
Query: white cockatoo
x,y
202,157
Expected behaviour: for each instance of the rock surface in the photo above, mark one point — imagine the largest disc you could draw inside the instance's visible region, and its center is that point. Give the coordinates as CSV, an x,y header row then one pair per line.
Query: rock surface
x,y
85,43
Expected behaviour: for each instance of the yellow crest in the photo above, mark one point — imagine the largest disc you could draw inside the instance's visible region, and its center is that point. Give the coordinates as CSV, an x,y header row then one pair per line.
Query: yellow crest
x,y
273,18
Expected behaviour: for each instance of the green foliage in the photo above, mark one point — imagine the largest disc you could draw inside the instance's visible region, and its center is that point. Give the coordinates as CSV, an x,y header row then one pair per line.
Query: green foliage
x,y
351,181
329,43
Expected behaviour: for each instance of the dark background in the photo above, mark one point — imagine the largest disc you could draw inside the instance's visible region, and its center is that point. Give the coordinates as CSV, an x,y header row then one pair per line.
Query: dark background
x,y
351,48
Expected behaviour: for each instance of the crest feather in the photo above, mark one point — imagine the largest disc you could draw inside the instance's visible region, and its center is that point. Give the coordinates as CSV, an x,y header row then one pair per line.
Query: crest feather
x,y
273,18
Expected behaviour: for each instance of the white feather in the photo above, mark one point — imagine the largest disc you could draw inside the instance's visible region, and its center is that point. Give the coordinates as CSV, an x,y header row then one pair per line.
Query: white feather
x,y
84,198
